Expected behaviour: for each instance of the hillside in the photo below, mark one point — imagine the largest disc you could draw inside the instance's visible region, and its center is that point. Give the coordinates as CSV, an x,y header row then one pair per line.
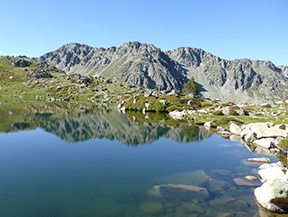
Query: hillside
x,y
236,81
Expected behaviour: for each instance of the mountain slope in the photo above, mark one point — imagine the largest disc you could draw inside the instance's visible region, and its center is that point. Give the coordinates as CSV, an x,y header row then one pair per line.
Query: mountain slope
x,y
238,81
134,63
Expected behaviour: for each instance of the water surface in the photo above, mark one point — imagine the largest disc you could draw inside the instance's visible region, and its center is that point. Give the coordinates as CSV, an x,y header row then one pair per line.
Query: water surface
x,y
106,165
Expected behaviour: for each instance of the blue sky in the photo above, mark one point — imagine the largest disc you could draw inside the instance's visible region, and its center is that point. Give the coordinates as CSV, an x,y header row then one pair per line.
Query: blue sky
x,y
230,29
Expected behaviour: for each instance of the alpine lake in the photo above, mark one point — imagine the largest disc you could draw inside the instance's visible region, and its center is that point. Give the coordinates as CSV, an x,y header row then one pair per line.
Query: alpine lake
x,y
107,163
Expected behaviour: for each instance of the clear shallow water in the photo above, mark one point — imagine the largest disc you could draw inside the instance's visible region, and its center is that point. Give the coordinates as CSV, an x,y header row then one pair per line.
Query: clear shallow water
x,y
43,175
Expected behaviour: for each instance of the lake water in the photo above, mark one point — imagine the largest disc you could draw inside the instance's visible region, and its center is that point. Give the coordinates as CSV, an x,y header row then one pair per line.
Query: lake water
x,y
106,165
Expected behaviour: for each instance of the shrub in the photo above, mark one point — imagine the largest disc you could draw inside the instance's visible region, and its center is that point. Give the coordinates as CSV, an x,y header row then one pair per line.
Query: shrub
x,y
267,106
284,144
233,112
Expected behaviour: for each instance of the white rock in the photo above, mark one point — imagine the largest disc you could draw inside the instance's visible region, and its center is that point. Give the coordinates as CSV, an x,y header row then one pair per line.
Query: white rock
x,y
251,137
273,195
271,173
202,111
274,132
207,125
258,128
235,129
265,142
245,131
176,115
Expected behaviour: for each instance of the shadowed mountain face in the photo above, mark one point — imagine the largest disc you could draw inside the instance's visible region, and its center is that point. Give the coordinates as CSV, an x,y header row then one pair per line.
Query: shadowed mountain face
x,y
112,125
241,80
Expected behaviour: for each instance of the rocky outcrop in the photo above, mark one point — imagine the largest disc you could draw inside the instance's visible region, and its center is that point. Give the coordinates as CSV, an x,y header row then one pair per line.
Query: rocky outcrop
x,y
21,63
240,80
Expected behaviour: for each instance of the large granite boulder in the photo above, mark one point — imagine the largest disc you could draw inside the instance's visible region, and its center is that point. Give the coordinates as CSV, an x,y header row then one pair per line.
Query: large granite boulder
x,y
273,195
272,171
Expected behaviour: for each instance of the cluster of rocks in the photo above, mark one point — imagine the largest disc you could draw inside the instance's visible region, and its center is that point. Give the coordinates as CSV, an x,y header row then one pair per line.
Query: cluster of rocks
x,y
264,135
80,79
52,99
21,63
36,73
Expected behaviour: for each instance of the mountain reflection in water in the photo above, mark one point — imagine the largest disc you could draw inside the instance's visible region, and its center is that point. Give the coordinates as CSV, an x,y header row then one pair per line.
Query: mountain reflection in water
x,y
112,125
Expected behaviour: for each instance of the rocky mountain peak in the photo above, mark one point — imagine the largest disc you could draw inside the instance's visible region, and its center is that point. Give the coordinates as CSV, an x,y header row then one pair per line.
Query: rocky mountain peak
x,y
240,80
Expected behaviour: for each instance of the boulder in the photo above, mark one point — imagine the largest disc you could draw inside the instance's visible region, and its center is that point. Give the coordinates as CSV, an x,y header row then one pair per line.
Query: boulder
x,y
177,115
251,178
65,99
191,103
207,125
274,132
164,102
188,192
250,137
242,112
244,182
258,128
225,111
271,173
202,111
235,129
245,131
151,207
273,195
148,93
265,143
21,63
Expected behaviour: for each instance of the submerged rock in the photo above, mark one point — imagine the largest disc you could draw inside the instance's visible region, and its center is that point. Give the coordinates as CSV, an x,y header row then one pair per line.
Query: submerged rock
x,y
189,192
244,182
151,207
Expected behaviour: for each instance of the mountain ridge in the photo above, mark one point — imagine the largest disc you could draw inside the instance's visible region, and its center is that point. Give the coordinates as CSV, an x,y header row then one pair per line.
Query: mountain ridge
x,y
239,80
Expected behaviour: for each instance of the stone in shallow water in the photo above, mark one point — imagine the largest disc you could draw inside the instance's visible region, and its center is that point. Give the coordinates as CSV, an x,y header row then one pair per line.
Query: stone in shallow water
x,y
192,207
216,185
233,202
251,178
222,172
190,178
244,182
183,192
151,207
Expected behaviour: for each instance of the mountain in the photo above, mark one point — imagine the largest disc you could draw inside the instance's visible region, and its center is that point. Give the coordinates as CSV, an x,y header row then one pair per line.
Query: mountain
x,y
240,80
133,63
236,81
